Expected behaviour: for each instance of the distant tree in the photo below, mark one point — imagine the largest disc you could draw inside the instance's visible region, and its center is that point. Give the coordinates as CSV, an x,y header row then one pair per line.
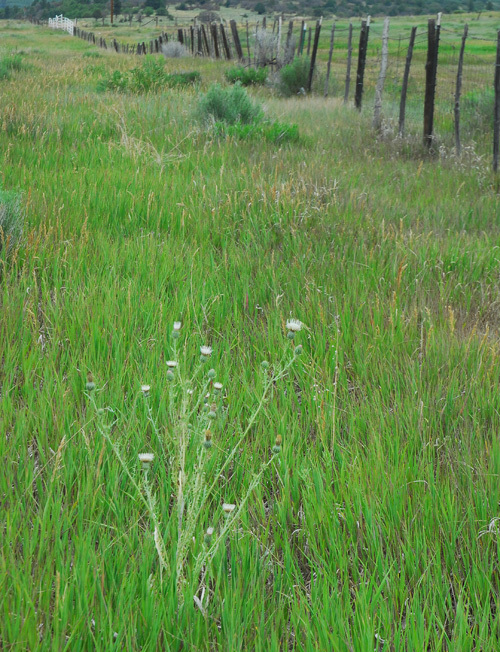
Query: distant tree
x,y
97,13
489,6
117,7
260,8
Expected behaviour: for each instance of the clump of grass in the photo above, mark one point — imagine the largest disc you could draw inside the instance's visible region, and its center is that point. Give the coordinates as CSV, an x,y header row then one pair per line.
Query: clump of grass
x,y
293,78
273,132
229,105
11,219
92,55
9,64
149,77
246,76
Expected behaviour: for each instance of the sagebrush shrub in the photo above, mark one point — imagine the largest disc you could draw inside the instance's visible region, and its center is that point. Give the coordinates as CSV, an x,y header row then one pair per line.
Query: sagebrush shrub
x,y
229,105
174,50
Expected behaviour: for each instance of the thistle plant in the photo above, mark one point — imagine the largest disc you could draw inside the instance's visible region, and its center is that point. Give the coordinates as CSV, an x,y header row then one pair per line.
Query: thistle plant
x,y
195,412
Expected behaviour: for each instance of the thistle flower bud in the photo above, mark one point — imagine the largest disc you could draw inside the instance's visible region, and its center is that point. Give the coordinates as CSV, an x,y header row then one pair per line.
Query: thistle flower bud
x,y
277,445
90,385
290,335
206,352
208,536
207,444
146,459
212,414
177,328
264,364
298,350
211,374
170,375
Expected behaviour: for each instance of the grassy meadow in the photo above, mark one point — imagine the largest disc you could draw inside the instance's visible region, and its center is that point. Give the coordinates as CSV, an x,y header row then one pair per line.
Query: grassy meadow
x,y
372,524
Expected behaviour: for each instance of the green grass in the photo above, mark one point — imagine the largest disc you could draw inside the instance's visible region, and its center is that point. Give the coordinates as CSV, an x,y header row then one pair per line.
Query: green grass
x,y
374,519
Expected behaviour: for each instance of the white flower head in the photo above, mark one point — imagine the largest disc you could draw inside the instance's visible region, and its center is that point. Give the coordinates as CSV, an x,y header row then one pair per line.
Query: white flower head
x,y
218,386
228,508
171,364
210,531
206,350
146,458
145,389
294,325
177,325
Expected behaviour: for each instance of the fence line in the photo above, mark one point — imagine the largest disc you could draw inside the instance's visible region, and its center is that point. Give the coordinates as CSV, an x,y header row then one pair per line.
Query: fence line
x,y
418,98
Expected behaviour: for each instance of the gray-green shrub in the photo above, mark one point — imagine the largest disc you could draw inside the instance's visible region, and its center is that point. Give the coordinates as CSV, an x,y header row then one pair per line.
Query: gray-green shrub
x,y
230,105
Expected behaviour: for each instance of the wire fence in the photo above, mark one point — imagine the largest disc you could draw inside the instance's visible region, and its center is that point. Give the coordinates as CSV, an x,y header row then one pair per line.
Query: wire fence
x,y
478,106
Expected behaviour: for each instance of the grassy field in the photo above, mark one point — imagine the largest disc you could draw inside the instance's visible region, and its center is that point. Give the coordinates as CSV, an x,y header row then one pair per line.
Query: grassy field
x,y
372,525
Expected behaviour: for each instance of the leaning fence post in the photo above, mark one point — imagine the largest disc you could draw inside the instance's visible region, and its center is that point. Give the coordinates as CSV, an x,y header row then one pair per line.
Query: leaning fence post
x,y
309,42
377,111
496,118
330,53
236,39
458,89
404,87
430,78
313,56
213,29
224,42
349,59
363,43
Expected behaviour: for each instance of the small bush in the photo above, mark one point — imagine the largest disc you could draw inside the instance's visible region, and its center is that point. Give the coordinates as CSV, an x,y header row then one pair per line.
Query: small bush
x,y
293,78
92,55
246,76
229,105
174,50
150,77
11,219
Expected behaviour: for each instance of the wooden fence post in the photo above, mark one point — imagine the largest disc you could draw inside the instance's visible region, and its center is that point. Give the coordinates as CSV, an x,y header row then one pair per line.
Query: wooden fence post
x,y
330,54
496,118
430,79
404,87
363,43
309,42
248,46
205,40
225,44
236,39
213,29
458,89
314,52
349,60
377,111
180,36
278,46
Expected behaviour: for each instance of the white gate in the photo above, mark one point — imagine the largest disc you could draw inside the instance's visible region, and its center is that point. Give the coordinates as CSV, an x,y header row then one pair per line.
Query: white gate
x,y
60,22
